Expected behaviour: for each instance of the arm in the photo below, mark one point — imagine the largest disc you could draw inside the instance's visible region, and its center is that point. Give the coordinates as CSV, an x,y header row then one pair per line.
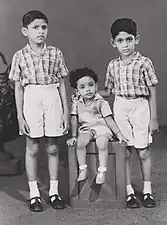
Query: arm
x,y
74,125
19,96
113,126
151,80
109,82
63,96
74,128
19,93
153,109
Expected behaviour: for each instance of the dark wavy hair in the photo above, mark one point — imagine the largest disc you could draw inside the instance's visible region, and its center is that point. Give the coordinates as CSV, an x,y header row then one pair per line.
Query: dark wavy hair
x,y
77,74
30,16
123,24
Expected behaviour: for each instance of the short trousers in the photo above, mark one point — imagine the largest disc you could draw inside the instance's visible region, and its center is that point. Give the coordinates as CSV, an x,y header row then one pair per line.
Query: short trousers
x,y
96,131
133,117
42,110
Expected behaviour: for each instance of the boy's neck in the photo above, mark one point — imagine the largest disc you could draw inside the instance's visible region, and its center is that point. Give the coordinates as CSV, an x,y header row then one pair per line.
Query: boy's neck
x,y
88,101
127,59
37,48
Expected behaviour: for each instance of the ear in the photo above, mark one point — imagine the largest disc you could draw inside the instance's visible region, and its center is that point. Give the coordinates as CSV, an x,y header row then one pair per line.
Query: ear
x,y
137,39
96,87
112,42
24,31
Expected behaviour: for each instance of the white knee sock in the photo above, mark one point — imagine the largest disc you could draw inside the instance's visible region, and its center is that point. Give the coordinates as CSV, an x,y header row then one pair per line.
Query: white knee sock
x,y
53,187
129,189
147,187
34,191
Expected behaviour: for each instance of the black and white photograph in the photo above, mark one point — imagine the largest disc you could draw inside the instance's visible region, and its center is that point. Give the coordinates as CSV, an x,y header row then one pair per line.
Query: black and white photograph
x,y
83,115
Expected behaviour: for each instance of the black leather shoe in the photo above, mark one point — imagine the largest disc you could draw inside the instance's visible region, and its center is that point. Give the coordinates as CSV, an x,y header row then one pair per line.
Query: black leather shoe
x,y
149,201
56,202
132,202
36,206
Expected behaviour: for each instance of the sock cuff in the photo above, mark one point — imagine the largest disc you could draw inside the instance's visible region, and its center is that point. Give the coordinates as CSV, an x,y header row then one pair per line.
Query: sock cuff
x,y
102,169
147,182
34,182
54,181
82,167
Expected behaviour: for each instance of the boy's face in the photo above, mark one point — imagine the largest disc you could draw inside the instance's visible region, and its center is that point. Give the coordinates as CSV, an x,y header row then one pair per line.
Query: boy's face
x,y
36,31
87,87
125,43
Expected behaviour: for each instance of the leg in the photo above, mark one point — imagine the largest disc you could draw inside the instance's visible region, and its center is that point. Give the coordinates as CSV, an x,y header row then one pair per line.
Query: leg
x,y
145,160
131,198
53,165
53,157
32,148
122,111
102,145
82,141
128,170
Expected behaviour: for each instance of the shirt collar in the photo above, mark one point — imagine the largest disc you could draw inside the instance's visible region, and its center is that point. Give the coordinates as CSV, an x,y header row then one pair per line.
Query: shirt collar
x,y
97,96
136,56
29,49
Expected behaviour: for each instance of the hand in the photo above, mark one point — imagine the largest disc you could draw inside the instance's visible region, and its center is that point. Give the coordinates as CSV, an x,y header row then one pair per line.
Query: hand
x,y
153,126
65,124
120,137
72,141
23,126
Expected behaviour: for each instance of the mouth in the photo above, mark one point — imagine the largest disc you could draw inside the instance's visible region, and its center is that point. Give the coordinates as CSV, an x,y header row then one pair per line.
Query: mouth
x,y
125,50
40,37
88,94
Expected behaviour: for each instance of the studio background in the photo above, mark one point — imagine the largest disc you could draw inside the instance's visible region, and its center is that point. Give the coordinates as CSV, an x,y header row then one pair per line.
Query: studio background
x,y
80,28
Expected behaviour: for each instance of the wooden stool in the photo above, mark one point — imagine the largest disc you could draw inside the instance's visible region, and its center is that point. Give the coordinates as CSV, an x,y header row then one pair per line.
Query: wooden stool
x,y
89,194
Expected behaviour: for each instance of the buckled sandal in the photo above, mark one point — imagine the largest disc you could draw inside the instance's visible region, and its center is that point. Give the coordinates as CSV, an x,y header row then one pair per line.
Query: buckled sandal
x,y
149,201
36,205
131,202
56,202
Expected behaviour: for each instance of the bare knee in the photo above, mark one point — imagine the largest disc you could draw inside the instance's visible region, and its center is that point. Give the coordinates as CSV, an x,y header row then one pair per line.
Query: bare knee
x,y
52,149
32,146
144,154
81,144
102,143
32,150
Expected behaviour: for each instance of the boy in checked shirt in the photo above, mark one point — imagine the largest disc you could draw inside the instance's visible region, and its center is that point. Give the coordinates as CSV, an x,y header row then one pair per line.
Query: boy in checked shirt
x,y
39,71
132,79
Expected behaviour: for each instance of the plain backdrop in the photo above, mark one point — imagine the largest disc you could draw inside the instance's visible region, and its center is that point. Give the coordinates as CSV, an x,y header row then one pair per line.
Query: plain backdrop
x,y
80,28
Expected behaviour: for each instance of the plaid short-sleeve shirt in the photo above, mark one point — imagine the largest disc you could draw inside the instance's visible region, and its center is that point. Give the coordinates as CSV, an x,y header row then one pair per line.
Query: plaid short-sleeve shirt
x,y
132,79
92,114
28,68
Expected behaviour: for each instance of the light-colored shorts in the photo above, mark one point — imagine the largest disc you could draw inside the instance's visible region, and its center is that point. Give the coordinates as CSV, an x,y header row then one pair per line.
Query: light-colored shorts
x,y
133,117
96,131
42,110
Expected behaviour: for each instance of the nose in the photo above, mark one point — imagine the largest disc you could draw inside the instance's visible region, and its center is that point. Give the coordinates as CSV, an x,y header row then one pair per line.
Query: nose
x,y
87,88
41,30
125,43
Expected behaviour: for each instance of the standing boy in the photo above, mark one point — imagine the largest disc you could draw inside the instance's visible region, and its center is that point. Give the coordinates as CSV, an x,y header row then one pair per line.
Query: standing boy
x,y
132,79
39,71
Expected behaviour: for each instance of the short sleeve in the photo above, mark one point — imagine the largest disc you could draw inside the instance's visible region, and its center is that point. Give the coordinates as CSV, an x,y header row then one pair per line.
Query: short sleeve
x,y
105,108
62,68
109,81
74,106
149,73
15,72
